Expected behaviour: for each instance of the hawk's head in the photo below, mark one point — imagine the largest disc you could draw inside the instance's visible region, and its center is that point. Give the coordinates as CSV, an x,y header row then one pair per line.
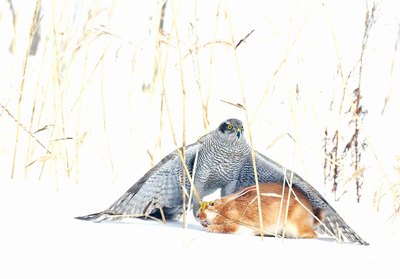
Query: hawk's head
x,y
231,127
208,211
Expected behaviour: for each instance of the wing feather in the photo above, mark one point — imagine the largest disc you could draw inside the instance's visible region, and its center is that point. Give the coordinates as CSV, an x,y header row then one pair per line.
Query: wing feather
x,y
159,188
270,171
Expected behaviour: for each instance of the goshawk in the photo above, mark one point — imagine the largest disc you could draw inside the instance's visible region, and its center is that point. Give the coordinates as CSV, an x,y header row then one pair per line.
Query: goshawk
x,y
222,160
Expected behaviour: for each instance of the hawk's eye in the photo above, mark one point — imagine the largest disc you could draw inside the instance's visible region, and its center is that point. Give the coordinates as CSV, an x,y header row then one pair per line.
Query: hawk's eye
x,y
211,203
229,127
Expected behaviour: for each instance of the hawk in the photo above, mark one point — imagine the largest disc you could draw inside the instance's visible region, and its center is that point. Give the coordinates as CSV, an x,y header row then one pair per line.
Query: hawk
x,y
221,159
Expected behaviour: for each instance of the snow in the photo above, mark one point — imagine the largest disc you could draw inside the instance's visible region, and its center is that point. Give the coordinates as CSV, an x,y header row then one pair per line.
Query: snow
x,y
41,239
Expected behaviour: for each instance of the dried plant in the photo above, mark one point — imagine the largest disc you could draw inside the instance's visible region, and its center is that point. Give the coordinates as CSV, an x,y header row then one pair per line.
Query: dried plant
x,y
356,144
344,149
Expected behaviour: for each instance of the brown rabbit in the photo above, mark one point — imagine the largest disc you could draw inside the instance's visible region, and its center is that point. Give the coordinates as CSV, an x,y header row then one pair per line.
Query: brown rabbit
x,y
238,213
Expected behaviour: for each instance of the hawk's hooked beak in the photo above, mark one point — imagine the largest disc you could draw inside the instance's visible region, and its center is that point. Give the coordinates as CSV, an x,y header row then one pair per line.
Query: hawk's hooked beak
x,y
203,206
238,132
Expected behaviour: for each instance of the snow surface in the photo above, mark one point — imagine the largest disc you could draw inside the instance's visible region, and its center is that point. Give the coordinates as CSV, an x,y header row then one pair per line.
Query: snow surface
x,y
41,239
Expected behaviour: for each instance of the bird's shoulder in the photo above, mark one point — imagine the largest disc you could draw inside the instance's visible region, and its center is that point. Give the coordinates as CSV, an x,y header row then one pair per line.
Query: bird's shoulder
x,y
204,138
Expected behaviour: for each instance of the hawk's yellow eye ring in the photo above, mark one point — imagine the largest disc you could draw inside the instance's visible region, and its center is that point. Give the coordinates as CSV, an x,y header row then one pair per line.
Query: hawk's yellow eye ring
x,y
229,126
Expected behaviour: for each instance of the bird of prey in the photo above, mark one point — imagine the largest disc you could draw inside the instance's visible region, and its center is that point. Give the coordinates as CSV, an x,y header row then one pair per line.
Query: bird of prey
x,y
221,159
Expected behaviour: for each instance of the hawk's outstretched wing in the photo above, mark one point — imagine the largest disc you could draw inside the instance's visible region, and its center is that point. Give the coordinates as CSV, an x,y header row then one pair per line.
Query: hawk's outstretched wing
x,y
159,188
270,171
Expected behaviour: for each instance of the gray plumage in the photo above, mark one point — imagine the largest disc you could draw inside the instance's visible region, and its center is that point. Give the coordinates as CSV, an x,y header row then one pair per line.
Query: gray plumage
x,y
270,171
223,162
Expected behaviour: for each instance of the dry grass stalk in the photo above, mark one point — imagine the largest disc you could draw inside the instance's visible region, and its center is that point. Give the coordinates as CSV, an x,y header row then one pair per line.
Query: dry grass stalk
x,y
181,156
32,135
58,84
253,156
395,60
337,146
287,202
33,28
333,160
210,72
197,70
282,196
280,66
105,125
354,142
174,23
145,216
